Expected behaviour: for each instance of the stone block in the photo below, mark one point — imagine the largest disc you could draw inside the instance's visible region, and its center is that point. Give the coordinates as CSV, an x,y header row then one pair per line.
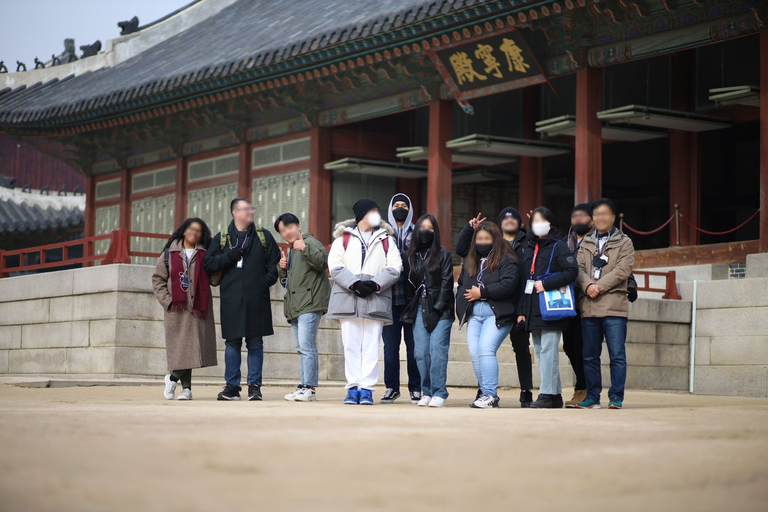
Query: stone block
x,y
127,333
728,322
739,350
61,309
140,361
53,335
39,361
94,306
4,361
102,278
10,336
641,332
657,354
731,380
657,310
652,377
733,293
134,278
138,306
703,344
24,312
673,333
335,368
36,286
757,265
91,360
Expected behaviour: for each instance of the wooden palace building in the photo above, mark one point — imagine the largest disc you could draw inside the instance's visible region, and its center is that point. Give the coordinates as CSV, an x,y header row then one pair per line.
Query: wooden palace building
x,y
466,105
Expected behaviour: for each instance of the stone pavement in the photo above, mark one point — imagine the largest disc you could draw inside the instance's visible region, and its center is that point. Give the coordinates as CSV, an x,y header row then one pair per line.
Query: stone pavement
x,y
125,448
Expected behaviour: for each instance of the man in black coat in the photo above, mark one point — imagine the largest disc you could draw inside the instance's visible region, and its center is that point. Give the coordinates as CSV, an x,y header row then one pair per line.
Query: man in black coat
x,y
511,224
247,257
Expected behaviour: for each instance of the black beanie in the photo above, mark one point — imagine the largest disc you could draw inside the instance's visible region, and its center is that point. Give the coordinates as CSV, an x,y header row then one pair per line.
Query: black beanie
x,y
583,207
510,212
362,207
403,198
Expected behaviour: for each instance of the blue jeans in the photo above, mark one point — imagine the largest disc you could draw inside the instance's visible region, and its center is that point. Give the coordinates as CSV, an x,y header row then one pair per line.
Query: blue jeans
x,y
484,340
233,357
392,335
431,351
304,340
546,345
614,329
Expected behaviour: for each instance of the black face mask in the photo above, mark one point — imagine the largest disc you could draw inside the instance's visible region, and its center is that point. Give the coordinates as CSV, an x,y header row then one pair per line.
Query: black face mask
x,y
483,249
581,229
400,214
510,233
426,237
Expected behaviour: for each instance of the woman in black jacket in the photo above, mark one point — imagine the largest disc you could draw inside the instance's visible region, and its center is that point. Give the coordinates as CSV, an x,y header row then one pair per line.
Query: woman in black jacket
x,y
485,301
429,297
544,245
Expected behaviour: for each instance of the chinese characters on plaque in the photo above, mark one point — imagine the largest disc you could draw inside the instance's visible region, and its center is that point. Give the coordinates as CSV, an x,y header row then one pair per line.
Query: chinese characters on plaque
x,y
499,62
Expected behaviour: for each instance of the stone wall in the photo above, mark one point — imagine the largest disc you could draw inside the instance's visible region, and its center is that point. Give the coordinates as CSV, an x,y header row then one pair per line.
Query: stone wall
x,y
104,321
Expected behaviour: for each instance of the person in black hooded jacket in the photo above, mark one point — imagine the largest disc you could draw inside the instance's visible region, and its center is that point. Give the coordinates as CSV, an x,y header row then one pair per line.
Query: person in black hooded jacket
x,y
544,245
428,271
485,301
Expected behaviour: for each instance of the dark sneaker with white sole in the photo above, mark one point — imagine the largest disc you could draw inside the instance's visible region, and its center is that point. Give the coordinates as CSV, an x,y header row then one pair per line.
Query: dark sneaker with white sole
x,y
231,393
526,398
254,393
390,395
415,397
548,402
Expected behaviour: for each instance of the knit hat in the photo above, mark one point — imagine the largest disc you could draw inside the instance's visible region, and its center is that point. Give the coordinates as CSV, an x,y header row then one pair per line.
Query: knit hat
x,y
510,212
362,207
401,197
583,207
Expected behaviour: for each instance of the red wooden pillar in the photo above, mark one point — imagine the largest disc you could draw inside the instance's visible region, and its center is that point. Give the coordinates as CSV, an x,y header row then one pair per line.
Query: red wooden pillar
x,y
531,180
684,161
125,198
320,185
588,182
89,222
764,141
244,172
439,178
180,211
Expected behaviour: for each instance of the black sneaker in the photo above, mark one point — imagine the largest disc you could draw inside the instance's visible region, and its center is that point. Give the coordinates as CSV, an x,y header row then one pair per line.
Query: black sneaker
x,y
415,397
254,392
526,398
545,402
390,395
557,401
229,393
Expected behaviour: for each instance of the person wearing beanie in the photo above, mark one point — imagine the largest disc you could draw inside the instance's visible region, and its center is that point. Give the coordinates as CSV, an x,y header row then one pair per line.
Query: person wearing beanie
x,y
400,214
365,263
510,223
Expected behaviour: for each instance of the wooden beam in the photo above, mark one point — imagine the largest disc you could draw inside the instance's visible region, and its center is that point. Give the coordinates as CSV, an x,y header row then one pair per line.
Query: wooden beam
x,y
764,141
531,179
726,253
180,192
244,171
320,185
439,179
589,139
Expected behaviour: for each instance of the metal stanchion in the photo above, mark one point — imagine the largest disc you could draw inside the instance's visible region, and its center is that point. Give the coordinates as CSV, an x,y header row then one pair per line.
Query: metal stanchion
x,y
621,222
677,224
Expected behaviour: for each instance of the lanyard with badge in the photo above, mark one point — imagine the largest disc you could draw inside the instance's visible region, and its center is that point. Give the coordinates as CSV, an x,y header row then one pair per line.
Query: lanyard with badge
x,y
529,282
242,256
600,260
185,274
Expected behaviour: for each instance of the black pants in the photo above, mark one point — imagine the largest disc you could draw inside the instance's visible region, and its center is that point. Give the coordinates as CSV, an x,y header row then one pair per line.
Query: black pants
x,y
521,346
573,342
185,376
392,335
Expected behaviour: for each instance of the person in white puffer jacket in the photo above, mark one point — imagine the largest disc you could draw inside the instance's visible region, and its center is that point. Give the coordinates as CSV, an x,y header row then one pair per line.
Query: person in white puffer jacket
x,y
364,263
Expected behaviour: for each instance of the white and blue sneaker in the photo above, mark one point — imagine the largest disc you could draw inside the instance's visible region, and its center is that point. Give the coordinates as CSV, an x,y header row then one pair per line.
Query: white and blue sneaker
x,y
366,397
353,396
170,388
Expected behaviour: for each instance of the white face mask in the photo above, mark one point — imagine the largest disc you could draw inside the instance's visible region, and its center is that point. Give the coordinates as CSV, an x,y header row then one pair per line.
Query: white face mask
x,y
373,219
540,228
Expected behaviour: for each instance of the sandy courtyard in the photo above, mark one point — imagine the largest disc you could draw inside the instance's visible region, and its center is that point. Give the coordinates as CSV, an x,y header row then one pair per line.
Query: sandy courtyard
x,y
125,448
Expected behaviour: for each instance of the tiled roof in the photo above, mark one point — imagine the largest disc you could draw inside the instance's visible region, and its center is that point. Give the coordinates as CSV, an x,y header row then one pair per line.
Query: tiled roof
x,y
24,212
256,36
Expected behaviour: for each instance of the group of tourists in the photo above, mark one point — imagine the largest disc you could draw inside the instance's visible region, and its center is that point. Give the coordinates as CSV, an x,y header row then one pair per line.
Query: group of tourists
x,y
395,281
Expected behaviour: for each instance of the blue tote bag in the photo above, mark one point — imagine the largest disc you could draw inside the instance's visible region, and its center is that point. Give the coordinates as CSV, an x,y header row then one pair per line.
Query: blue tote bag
x,y
559,303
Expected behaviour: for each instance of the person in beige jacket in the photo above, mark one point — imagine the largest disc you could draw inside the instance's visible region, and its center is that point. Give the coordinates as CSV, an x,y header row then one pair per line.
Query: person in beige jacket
x,y
605,261
182,287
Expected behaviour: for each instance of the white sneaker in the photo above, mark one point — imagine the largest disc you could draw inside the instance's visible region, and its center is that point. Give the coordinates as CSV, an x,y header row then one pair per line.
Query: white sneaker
x,y
424,402
292,395
485,402
186,394
170,388
436,401
305,395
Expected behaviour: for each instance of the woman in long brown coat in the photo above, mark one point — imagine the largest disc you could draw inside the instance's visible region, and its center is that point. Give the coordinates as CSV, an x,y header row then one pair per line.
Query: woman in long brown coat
x,y
183,288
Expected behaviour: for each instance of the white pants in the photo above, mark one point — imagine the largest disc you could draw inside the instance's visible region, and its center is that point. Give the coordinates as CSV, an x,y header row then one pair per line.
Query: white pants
x,y
360,337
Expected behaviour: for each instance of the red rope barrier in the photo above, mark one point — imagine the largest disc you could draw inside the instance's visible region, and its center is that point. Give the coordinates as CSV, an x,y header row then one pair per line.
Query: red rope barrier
x,y
637,232
697,228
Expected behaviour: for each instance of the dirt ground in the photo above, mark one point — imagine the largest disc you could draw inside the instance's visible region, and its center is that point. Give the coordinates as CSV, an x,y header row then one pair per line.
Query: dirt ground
x,y
126,448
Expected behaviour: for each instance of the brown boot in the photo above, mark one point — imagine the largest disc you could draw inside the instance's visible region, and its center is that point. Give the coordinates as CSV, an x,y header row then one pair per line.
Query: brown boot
x,y
579,395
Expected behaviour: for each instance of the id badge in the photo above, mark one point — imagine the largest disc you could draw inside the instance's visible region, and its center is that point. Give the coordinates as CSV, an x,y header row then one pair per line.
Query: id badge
x,y
529,286
597,273
240,262
184,281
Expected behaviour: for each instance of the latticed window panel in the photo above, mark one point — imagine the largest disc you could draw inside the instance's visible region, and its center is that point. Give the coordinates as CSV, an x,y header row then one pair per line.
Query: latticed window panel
x,y
151,215
212,205
214,167
280,153
107,220
280,193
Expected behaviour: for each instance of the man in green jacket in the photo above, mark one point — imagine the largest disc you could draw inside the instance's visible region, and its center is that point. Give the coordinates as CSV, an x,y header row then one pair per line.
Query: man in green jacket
x,y
303,272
